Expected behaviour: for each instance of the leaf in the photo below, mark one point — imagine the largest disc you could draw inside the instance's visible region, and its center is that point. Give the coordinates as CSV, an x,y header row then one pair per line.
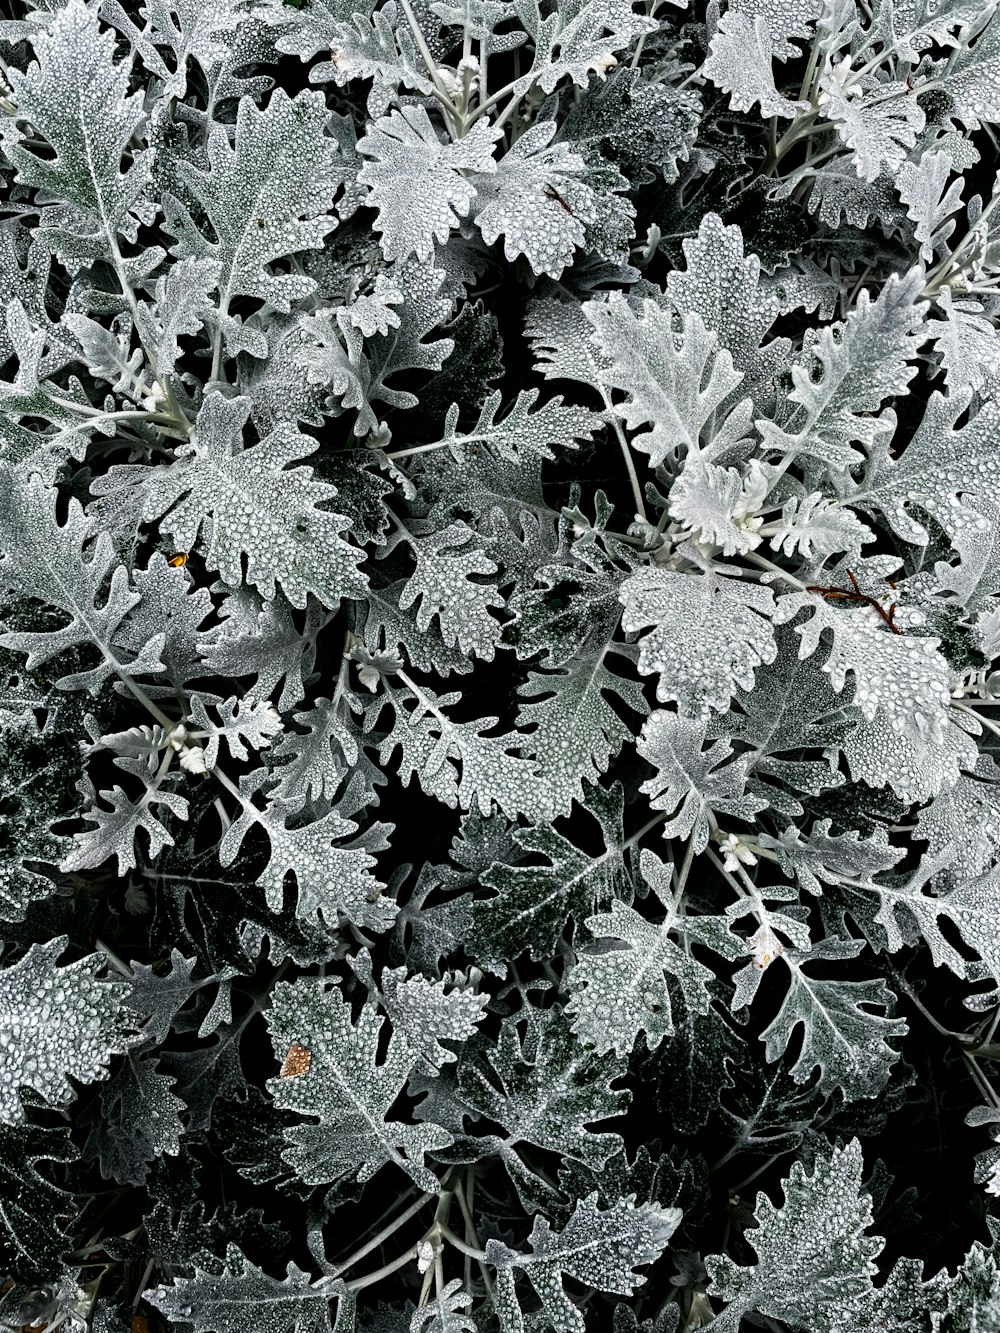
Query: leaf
x,y
416,182
41,425
456,763
523,431
116,828
54,1022
814,1262
939,465
972,74
739,63
570,43
814,525
792,707
878,120
964,822
599,1248
901,675
577,729
169,605
32,1241
692,783
182,305
47,561
223,1298
533,903
708,635
256,507
818,857
36,789
445,1314
922,188
543,1089
539,199
428,1012
847,1043
970,909
675,384
846,375
260,638
346,1089
245,724
75,98
267,195
135,1119
331,880
443,586
621,992
161,997
723,286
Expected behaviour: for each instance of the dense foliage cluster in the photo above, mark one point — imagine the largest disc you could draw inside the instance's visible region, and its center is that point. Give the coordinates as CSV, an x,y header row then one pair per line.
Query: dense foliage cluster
x,y
500,562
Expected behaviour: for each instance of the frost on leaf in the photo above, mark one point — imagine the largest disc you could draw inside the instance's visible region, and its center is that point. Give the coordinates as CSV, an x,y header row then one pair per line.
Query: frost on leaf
x,y
846,374
577,725
964,822
37,773
814,1261
723,286
523,431
901,675
692,783
347,1089
533,903
57,1022
539,200
707,635
416,179
446,1313
938,466
917,764
455,762
543,1089
676,382
792,707
76,99
235,1295
819,857
601,1248
846,1042
623,991
32,1240
972,76
928,203
252,505
426,1013
52,563
135,1119
118,819
740,63
330,879
570,41
267,195
446,585
970,909
877,120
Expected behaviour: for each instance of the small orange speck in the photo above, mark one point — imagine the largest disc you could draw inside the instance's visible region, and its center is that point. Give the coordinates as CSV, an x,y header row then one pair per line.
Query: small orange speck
x,y
178,560
297,1061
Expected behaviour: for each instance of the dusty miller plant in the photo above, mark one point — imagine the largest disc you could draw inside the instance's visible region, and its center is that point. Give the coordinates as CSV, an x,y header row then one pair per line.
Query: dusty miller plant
x,y
500,550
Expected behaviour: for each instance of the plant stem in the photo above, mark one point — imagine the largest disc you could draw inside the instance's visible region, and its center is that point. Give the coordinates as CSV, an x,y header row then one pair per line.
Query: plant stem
x,y
383,1235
